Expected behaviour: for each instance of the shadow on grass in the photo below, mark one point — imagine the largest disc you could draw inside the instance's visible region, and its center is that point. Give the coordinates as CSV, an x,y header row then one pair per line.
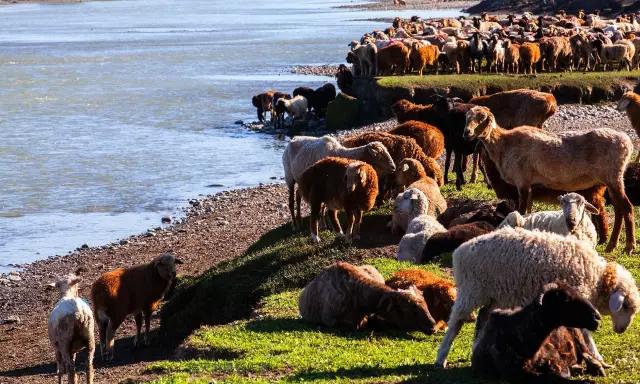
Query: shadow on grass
x,y
421,373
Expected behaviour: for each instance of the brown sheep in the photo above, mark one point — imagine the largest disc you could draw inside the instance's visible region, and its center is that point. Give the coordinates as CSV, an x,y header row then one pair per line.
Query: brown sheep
x,y
340,184
557,52
344,295
519,107
630,103
511,57
393,59
529,56
422,56
439,293
136,290
263,103
428,137
411,174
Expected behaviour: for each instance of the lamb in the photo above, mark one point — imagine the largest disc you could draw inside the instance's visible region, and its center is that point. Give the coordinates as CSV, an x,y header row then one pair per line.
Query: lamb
x,y
439,293
527,260
530,55
304,151
344,295
630,103
342,185
497,54
514,344
420,227
296,107
262,102
455,236
519,107
573,219
70,329
422,56
527,156
428,137
411,174
393,59
355,63
400,148
136,290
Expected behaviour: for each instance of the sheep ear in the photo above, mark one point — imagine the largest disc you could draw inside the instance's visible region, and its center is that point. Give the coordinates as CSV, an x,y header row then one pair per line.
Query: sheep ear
x,y
615,301
405,167
591,208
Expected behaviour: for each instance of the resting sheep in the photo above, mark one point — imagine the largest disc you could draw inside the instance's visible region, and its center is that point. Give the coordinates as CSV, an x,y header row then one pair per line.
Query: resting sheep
x,y
573,219
304,151
527,260
428,137
527,156
70,329
341,185
344,295
455,236
411,174
419,228
135,290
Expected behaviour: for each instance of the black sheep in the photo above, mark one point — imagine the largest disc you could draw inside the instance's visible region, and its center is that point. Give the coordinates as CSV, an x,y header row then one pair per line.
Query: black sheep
x,y
318,99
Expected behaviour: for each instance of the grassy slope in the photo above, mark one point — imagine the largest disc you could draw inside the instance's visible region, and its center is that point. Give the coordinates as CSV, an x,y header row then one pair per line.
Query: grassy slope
x,y
275,345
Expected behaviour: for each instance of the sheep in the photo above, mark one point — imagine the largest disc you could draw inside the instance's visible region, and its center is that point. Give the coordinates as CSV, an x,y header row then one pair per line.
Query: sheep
x,y
400,148
393,59
342,185
556,51
594,195
511,57
70,328
457,54
530,55
630,103
420,227
135,290
295,107
344,295
262,102
428,137
466,211
497,54
509,342
448,241
478,49
319,98
632,183
304,151
519,107
411,174
279,110
573,219
367,58
527,156
620,53
582,51
355,63
422,56
439,293
527,260
344,78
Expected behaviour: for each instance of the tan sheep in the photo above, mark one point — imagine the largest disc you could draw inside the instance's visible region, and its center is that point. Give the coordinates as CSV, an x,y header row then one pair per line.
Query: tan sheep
x,y
630,103
411,174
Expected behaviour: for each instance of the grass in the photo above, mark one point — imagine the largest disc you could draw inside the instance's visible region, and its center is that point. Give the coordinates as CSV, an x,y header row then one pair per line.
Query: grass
x,y
254,333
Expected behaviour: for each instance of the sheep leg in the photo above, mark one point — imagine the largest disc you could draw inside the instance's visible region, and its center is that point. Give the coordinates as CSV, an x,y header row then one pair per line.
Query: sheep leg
x,y
102,333
313,222
524,198
457,166
350,222
110,337
623,210
59,366
455,324
138,319
602,223
291,205
69,362
474,170
357,221
298,204
593,348
91,349
447,163
333,216
147,325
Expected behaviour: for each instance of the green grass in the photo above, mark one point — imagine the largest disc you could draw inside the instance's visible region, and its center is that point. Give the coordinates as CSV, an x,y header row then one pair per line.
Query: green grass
x,y
254,333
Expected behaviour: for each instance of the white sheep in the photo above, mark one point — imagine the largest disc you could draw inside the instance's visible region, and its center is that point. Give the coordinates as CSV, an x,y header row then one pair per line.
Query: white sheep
x,y
296,107
509,267
70,329
573,219
304,151
414,205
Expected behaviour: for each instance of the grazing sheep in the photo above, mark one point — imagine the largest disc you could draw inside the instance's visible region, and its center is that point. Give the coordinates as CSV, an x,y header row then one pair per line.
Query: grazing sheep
x,y
304,151
393,59
278,110
527,156
448,241
400,148
342,185
344,295
509,341
411,174
428,137
136,290
527,260
70,329
295,107
529,56
262,102
420,227
439,293
573,219
519,107
630,103
422,56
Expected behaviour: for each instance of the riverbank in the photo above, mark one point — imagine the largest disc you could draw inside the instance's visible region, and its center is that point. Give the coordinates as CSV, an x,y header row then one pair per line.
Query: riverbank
x,y
378,5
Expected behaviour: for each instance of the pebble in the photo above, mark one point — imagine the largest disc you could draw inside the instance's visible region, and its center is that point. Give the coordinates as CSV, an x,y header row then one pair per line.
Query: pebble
x,y
84,246
10,320
124,242
166,219
13,277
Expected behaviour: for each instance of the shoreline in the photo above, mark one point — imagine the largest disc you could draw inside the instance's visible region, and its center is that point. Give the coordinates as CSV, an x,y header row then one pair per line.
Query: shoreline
x,y
379,5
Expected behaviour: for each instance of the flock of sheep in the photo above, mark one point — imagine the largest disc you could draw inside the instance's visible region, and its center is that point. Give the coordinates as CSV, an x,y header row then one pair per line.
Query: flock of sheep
x,y
508,44
548,263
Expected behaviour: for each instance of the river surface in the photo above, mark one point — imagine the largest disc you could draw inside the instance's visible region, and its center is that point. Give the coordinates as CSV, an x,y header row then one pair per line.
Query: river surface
x,y
115,113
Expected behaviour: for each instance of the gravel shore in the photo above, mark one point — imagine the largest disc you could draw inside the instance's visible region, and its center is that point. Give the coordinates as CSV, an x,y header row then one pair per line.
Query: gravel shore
x,y
411,4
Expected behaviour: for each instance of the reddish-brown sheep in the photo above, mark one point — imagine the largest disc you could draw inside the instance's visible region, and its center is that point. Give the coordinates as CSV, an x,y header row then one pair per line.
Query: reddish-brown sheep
x,y
137,290
393,59
428,137
422,56
519,107
529,57
262,102
342,185
344,295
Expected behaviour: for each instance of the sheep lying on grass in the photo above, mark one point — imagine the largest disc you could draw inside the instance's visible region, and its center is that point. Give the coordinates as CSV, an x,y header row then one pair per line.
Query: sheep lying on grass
x,y
136,290
70,329
573,219
341,185
466,211
420,227
455,236
510,343
526,261
344,295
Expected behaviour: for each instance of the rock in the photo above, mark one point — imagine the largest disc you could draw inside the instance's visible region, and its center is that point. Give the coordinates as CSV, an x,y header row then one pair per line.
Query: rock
x,y
166,219
124,242
239,122
14,277
13,319
215,185
342,113
4,281
223,223
84,246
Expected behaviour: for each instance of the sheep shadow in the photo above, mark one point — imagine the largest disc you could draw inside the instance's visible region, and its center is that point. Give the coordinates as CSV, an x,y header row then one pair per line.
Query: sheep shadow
x,y
374,232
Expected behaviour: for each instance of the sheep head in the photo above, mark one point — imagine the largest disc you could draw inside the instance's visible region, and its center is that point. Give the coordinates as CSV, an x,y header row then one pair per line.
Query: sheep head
x,y
355,176
409,171
564,305
623,298
407,310
378,156
480,123
165,265
574,207
412,201
67,285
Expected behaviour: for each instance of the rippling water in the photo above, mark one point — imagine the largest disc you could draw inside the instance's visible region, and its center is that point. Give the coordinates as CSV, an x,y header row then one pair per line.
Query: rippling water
x,y
112,114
